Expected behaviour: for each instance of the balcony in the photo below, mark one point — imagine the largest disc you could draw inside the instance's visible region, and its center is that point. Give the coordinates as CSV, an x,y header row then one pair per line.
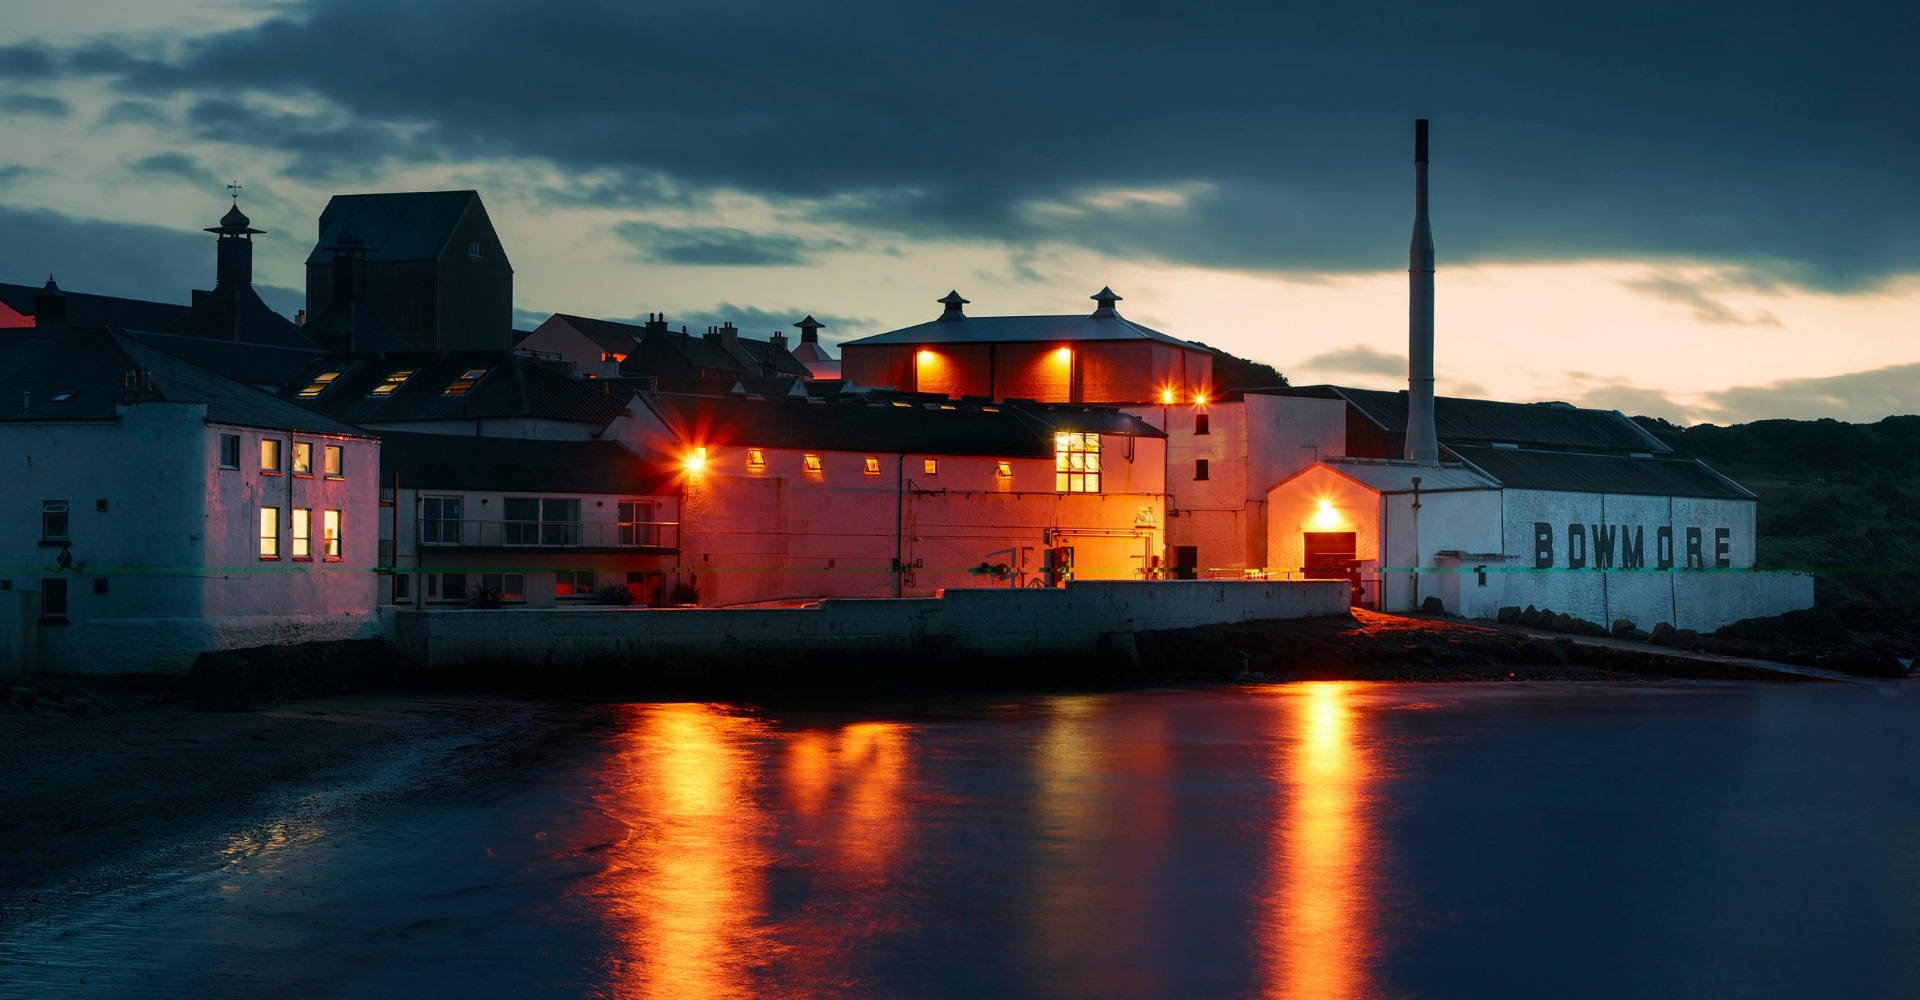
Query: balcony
x,y
445,534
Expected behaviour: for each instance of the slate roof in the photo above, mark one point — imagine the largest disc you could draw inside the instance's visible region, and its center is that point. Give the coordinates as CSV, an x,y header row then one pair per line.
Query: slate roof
x,y
513,386
1661,475
1397,477
1019,329
1483,421
252,364
235,313
605,333
410,225
110,310
514,465
91,363
879,425
672,354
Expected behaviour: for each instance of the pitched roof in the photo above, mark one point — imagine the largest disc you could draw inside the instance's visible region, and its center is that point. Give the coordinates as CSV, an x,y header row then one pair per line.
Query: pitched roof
x,y
90,364
235,313
1660,475
110,310
513,465
1484,421
1019,329
410,225
670,354
606,334
252,364
1388,476
512,386
881,425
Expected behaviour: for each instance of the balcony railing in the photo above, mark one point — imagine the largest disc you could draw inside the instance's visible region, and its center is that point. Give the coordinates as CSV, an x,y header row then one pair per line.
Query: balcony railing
x,y
448,533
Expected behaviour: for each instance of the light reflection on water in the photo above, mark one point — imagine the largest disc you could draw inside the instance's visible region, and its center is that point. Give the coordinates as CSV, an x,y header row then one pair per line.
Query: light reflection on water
x,y
1326,840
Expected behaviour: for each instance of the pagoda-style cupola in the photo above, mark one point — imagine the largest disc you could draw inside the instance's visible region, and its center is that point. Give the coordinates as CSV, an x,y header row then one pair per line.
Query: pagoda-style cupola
x,y
234,263
1106,299
953,302
810,329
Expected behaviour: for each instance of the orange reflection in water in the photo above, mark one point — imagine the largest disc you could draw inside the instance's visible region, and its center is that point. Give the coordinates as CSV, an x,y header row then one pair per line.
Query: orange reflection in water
x,y
1321,923
685,885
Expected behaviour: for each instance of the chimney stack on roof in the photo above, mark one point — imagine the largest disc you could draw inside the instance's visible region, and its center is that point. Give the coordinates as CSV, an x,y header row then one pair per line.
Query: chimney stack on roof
x,y
50,305
809,329
233,262
1423,445
953,302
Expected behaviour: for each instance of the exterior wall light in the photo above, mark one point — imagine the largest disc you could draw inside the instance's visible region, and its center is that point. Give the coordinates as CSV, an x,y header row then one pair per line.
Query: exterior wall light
x,y
696,460
1326,516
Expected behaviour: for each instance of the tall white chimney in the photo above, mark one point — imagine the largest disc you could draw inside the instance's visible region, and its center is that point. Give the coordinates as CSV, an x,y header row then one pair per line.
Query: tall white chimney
x,y
1422,444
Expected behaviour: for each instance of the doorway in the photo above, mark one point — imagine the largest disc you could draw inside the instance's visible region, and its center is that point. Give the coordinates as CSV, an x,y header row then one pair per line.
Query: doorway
x,y
1186,562
1332,555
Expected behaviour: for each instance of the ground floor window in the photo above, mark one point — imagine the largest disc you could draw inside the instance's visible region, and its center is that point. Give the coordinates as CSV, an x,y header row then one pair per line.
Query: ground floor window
x,y
510,586
573,583
402,588
53,598
302,533
269,532
446,586
330,534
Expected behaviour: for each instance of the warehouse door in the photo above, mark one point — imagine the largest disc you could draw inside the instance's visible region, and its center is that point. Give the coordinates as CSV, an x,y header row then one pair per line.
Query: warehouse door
x,y
1332,555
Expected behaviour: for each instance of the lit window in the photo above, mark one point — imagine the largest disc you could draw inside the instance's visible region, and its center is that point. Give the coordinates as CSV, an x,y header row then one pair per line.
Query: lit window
x,y
811,463
464,384
330,534
318,385
873,466
336,461
573,583
756,459
933,467
302,534
1076,462
1199,470
229,451
269,454
1004,470
53,520
302,458
1200,423
394,380
269,532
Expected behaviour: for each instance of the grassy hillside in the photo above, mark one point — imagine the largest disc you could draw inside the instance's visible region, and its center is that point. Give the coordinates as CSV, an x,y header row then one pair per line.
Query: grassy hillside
x,y
1230,372
1843,499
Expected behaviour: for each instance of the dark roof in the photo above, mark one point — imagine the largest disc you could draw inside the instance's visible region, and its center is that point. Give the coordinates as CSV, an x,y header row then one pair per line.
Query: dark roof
x,y
607,334
91,363
411,225
1020,329
881,425
513,465
1662,475
1484,421
235,313
109,310
513,386
669,354
253,364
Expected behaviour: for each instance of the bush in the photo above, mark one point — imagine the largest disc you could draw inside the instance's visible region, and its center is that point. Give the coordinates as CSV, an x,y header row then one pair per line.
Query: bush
x,y
484,596
613,593
685,593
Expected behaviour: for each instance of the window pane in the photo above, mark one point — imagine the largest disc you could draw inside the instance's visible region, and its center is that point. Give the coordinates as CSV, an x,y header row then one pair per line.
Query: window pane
x,y
269,532
269,455
330,533
302,458
336,460
230,451
1061,481
53,598
302,526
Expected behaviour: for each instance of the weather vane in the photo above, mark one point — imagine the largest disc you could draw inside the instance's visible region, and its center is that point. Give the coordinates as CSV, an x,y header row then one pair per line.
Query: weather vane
x,y
234,190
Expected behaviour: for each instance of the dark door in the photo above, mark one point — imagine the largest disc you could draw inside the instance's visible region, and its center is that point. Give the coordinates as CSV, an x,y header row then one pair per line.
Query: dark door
x,y
1186,562
1330,555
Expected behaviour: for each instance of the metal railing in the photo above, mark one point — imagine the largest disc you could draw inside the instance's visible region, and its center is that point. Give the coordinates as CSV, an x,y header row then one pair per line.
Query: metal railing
x,y
435,532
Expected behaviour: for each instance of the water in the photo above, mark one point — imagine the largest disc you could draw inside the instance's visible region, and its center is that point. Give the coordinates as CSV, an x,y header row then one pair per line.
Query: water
x,y
1311,840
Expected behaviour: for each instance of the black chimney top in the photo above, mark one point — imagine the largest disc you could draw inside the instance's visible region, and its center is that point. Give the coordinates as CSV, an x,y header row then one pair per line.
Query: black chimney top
x,y
809,329
1106,298
1419,140
953,302
49,305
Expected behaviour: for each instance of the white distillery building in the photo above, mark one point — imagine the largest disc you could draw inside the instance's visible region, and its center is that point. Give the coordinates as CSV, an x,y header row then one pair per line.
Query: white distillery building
x,y
155,510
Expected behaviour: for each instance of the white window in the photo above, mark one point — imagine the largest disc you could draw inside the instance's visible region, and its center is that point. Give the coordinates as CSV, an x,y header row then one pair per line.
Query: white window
x,y
269,532
53,520
330,534
335,462
270,455
229,451
440,520
303,458
1076,462
540,521
301,537
573,583
1003,470
636,527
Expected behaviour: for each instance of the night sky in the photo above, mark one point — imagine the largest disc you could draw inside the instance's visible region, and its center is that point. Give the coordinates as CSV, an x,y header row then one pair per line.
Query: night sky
x,y
1707,211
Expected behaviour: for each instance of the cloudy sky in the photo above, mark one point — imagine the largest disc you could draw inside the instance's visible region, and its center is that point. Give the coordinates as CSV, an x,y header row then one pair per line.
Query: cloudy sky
x,y
1705,211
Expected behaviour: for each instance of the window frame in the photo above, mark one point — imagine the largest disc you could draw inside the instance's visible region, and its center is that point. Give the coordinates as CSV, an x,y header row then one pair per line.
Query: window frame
x,y
1202,470
1077,465
300,534
439,532
274,445
931,466
871,467
298,467
812,465
225,440
50,585
331,546
756,459
49,510
333,461
269,522
1201,424
577,593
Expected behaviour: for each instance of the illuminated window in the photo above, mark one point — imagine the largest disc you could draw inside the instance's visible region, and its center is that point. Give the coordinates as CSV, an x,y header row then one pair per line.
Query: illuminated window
x,y
636,523
811,463
573,583
318,385
269,455
1076,462
510,586
464,384
933,467
269,532
302,535
330,534
394,380
1200,423
1004,470
756,459
1199,470
335,462
302,458
873,466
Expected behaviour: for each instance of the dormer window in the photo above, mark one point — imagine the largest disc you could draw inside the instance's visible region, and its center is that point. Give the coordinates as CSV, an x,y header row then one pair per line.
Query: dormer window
x,y
811,463
61,397
873,466
465,383
318,385
756,460
394,380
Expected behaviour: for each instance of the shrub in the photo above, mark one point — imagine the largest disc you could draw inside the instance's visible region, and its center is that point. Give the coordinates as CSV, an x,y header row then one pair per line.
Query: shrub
x,y
484,596
613,593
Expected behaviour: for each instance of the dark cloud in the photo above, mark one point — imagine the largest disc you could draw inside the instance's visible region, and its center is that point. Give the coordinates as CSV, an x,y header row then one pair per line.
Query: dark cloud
x,y
1358,360
176,165
140,112
1695,295
13,171
716,245
34,104
1763,132
1857,397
